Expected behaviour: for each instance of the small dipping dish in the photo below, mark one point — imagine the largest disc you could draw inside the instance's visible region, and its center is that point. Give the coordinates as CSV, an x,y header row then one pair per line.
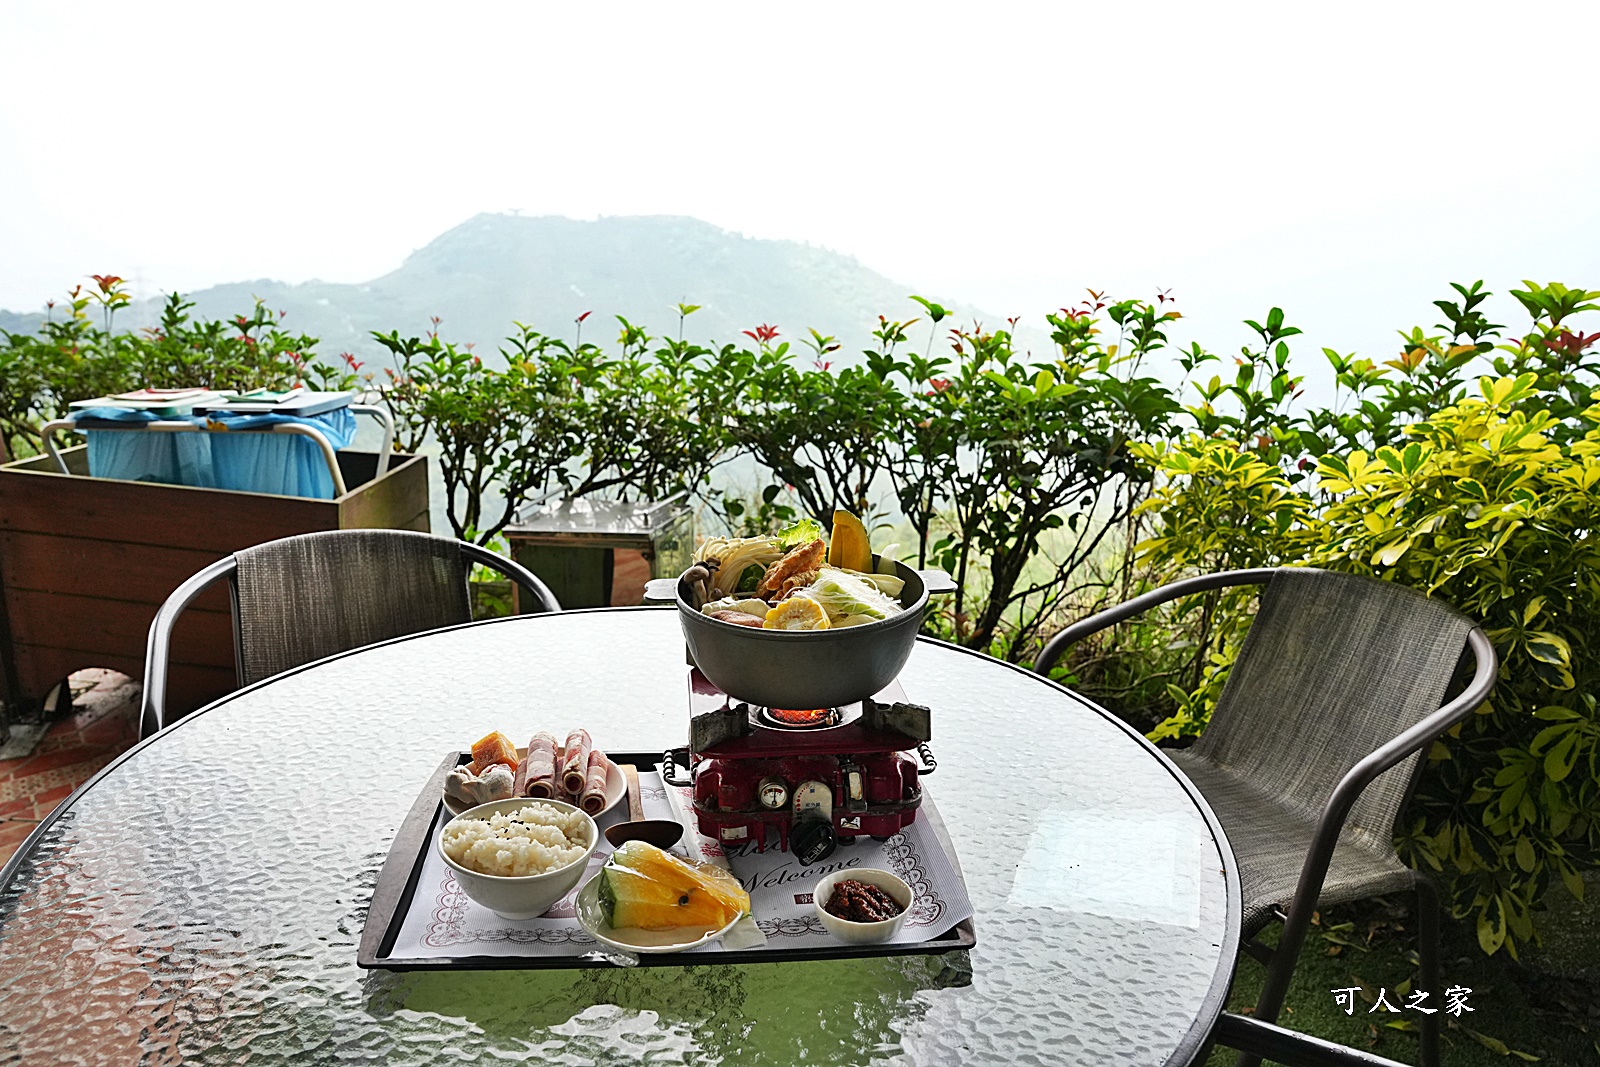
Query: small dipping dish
x,y
863,933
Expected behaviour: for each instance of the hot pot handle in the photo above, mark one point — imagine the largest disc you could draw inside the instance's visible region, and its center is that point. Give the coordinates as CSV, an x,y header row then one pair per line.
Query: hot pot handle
x,y
929,764
670,764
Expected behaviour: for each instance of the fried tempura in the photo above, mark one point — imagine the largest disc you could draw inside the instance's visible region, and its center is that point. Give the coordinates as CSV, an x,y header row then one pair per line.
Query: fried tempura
x,y
793,584
800,560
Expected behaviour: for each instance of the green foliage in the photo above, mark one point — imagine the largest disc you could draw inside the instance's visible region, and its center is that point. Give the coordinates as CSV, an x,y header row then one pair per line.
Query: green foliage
x,y
1480,491
991,452
1485,509
637,418
765,514
24,390
1018,448
508,429
1218,507
823,433
557,417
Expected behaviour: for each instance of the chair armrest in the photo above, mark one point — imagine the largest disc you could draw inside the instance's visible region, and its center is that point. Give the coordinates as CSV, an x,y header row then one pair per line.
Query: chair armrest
x,y
513,570
47,437
153,702
1140,604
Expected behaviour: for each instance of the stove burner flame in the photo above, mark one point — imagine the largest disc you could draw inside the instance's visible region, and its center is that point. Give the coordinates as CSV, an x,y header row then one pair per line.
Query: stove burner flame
x,y
802,718
797,717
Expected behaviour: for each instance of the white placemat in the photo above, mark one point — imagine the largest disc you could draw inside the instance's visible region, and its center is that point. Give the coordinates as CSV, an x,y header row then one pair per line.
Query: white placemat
x,y
441,922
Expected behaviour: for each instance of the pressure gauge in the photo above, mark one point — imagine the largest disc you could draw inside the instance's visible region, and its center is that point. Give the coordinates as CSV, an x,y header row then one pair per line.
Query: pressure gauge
x,y
773,792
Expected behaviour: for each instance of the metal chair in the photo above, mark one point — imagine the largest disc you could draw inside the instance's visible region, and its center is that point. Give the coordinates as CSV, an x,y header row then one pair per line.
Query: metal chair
x,y
302,598
1313,748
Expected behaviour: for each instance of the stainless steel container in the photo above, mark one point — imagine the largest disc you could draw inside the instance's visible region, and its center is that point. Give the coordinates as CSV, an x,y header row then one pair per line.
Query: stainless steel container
x,y
594,553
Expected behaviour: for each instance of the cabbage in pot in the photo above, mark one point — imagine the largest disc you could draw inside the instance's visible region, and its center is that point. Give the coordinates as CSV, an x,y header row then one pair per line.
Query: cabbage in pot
x,y
748,605
842,595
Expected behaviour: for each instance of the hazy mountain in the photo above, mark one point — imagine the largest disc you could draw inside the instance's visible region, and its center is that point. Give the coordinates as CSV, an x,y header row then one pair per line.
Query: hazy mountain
x,y
495,269
23,322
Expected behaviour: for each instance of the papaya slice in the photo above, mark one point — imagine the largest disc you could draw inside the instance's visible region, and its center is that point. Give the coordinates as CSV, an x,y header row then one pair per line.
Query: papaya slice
x,y
649,889
850,548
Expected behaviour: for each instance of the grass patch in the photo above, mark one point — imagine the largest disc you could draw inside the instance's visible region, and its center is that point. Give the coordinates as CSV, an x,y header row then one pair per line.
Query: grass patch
x,y
1519,1015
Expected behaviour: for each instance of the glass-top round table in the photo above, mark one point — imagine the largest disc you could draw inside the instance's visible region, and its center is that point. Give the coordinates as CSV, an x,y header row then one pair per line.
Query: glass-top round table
x,y
202,899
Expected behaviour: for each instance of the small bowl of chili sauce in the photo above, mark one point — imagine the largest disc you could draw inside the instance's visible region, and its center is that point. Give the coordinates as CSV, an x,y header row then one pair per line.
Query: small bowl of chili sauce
x,y
862,906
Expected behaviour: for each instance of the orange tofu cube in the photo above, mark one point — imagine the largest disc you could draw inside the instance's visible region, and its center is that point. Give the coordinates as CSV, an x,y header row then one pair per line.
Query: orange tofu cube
x,y
496,748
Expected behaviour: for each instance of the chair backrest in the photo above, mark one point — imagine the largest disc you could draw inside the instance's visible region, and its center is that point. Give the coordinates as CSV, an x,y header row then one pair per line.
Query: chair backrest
x,y
304,598
1334,666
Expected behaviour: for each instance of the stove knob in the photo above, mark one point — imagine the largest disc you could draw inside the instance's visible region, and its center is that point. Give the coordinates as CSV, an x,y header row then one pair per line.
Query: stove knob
x,y
812,841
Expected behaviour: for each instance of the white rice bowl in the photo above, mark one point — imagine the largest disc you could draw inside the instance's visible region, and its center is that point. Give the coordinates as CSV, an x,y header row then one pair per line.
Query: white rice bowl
x,y
537,838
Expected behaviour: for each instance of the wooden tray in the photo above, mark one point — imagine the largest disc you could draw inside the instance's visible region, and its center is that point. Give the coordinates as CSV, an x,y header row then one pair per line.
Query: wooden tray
x,y
397,886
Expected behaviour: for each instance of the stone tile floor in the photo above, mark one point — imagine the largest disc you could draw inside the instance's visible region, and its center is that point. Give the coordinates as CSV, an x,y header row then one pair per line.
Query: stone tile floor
x,y
103,724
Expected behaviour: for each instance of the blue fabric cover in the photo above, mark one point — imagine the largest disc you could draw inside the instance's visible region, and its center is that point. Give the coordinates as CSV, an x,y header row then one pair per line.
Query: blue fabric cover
x,y
283,464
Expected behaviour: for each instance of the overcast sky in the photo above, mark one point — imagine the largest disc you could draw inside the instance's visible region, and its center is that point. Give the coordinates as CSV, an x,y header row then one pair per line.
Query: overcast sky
x,y
1343,160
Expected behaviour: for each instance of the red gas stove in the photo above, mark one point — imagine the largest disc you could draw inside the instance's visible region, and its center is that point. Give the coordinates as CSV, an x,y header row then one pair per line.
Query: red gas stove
x,y
803,780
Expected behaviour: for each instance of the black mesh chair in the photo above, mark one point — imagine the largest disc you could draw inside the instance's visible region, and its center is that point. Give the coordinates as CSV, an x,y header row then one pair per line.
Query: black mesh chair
x,y
1313,749
302,598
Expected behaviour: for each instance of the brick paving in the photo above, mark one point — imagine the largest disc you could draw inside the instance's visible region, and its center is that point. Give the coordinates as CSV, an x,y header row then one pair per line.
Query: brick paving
x,y
104,723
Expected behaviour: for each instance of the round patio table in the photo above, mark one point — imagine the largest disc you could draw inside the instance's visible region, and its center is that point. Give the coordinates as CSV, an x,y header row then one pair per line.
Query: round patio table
x,y
202,898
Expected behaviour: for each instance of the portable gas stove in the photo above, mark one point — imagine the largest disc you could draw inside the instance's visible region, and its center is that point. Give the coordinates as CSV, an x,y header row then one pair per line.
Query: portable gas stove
x,y
802,780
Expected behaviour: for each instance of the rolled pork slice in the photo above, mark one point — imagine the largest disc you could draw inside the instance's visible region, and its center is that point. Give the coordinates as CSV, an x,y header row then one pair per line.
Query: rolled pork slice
x,y
593,797
575,762
538,779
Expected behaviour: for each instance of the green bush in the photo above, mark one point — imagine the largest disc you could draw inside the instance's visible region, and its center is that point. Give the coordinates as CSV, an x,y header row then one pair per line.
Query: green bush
x,y
1481,493
510,429
1485,509
1017,472
557,416
1032,465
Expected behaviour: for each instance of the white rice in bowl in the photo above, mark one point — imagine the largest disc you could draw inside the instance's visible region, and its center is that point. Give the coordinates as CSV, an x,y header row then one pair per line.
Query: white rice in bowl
x,y
535,839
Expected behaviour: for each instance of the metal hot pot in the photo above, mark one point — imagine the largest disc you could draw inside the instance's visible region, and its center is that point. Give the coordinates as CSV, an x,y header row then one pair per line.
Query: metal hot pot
x,y
807,668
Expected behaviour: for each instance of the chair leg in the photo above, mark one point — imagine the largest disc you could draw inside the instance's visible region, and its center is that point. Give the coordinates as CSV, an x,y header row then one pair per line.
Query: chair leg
x,y
1281,969
1257,951
1428,966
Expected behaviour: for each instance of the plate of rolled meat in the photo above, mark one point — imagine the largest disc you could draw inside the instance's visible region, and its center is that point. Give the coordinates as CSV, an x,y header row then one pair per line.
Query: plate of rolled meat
x,y
574,770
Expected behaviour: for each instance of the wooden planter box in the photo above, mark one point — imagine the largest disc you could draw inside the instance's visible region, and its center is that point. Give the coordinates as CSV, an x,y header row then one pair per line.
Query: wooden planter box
x,y
85,562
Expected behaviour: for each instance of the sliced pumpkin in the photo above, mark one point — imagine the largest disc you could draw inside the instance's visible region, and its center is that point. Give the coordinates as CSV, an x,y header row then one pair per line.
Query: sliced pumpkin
x,y
850,548
796,613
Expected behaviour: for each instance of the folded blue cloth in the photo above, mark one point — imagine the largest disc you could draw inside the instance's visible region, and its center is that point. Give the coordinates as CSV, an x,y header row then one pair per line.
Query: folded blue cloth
x,y
282,464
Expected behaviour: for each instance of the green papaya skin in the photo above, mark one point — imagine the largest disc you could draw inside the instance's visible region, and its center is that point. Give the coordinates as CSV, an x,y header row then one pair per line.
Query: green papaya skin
x,y
608,897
